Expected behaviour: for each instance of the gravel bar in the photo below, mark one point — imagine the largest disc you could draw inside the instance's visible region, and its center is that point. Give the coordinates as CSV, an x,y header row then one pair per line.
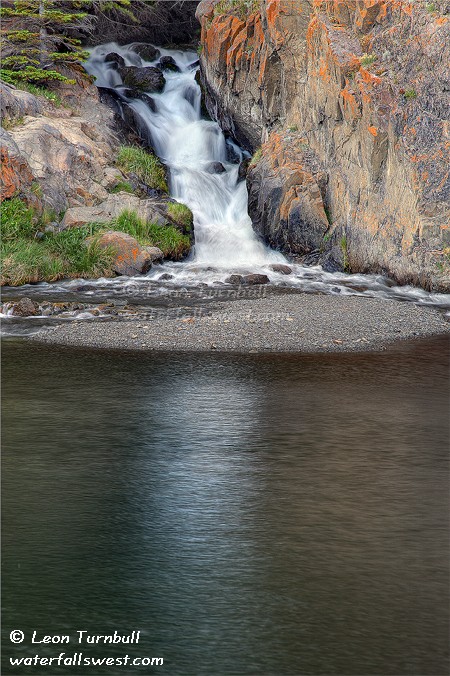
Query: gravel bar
x,y
292,323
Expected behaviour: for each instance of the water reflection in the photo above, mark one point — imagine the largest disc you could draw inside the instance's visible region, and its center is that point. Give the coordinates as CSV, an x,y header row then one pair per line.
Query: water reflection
x,y
266,515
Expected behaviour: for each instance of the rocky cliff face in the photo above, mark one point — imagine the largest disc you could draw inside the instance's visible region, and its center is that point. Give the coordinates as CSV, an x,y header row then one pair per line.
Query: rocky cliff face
x,y
346,102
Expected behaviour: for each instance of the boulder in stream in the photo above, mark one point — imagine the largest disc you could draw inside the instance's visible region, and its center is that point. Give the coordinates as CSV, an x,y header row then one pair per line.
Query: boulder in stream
x,y
256,279
282,269
147,52
148,79
25,308
112,57
168,63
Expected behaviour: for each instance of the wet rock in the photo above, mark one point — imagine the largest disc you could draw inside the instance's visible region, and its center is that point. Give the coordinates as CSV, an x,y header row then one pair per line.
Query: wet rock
x,y
141,96
147,52
193,65
330,264
147,78
243,169
156,255
215,168
235,279
25,308
168,63
131,258
256,279
165,276
282,269
112,57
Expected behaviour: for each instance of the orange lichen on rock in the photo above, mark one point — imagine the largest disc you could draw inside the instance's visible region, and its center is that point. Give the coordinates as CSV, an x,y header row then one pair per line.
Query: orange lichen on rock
x,y
373,131
15,176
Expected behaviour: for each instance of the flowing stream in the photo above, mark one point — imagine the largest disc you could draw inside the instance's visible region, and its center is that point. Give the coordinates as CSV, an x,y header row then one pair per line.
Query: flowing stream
x,y
204,174
203,166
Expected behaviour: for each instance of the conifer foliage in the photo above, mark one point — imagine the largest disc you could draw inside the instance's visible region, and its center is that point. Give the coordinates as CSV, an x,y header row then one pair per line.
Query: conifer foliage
x,y
35,40
39,38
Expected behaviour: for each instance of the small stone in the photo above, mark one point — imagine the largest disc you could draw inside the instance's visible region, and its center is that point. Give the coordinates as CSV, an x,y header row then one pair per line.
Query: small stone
x,y
282,269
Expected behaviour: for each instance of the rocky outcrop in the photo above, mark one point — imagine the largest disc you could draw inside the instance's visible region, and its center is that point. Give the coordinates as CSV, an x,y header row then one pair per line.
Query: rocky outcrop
x,y
64,152
112,207
16,175
285,197
348,103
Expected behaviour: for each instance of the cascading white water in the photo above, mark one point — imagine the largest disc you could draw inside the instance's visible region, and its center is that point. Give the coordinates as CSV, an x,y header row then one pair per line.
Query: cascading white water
x,y
224,239
189,146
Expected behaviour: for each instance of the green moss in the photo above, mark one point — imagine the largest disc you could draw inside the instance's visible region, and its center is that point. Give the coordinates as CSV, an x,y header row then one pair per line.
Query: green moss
x,y
28,254
169,239
181,214
431,7
344,249
18,220
145,165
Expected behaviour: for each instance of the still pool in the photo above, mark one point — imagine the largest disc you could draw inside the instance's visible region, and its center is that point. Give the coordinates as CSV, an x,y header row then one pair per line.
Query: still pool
x,y
257,514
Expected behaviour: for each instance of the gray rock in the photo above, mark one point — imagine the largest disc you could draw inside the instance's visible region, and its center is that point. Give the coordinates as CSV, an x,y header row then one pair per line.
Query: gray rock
x,y
111,208
215,168
156,255
131,258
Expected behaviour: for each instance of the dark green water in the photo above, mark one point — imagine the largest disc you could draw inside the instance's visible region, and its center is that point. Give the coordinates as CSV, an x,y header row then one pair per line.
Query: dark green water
x,y
249,515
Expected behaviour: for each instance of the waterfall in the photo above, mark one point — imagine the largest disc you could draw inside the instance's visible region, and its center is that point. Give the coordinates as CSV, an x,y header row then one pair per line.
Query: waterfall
x,y
203,165
204,174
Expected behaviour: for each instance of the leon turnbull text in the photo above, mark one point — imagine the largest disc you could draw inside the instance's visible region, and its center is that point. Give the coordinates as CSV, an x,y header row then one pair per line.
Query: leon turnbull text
x,y
82,636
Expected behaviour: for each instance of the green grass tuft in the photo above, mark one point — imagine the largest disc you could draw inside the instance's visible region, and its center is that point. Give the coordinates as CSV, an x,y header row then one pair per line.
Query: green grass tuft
x,y
122,186
26,259
146,166
410,94
181,214
169,239
256,157
367,59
